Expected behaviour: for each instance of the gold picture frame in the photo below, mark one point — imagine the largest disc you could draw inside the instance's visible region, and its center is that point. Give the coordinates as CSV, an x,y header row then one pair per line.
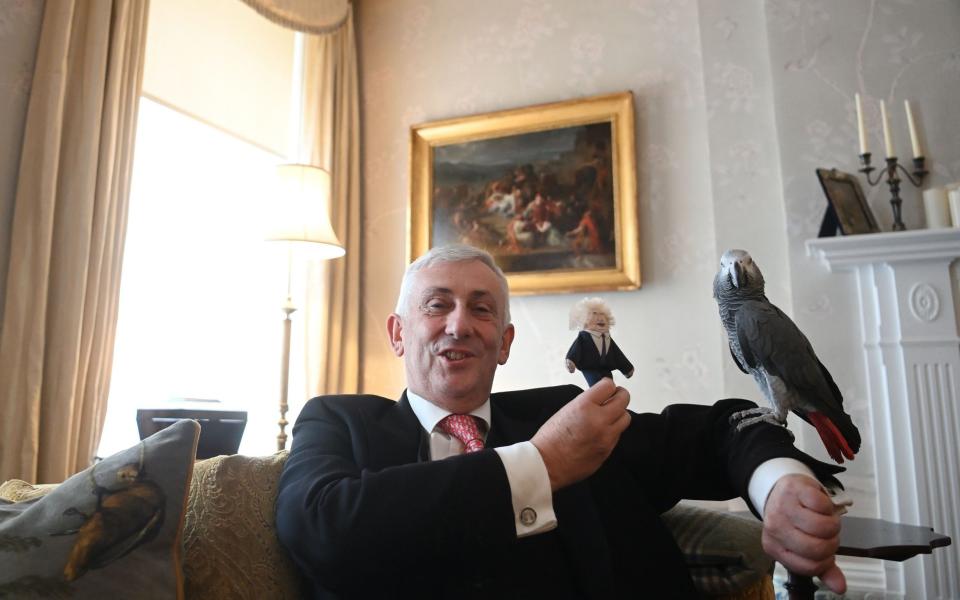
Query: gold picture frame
x,y
549,190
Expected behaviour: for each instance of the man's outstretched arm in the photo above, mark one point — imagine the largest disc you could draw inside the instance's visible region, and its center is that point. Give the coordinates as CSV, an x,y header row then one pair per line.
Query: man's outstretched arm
x,y
693,451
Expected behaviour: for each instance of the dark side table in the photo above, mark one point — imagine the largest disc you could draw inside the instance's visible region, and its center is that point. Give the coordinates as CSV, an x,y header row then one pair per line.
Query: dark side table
x,y
220,430
873,538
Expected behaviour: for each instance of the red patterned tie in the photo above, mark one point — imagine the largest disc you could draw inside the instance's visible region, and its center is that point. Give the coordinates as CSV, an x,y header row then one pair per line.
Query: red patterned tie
x,y
465,429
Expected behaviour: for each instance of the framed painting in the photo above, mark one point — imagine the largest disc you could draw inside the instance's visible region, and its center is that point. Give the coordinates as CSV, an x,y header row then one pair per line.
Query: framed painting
x,y
549,190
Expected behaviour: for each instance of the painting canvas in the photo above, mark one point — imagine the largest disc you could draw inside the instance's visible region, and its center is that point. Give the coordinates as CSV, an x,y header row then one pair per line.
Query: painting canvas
x,y
549,191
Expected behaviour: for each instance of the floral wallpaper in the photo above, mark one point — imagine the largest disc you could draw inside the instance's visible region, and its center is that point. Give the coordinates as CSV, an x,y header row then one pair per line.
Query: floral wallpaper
x,y
743,159
19,34
422,60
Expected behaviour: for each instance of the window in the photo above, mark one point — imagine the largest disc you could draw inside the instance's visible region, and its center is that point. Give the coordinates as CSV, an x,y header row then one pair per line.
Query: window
x,y
200,296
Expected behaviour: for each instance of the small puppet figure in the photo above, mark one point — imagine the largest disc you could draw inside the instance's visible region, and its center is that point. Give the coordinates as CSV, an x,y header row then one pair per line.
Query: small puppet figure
x,y
594,352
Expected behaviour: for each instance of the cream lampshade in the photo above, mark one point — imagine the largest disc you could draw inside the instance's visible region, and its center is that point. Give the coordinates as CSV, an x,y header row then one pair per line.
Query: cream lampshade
x,y
299,213
299,216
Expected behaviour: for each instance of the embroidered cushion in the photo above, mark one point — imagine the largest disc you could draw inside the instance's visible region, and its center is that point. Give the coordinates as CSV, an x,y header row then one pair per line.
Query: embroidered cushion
x,y
111,531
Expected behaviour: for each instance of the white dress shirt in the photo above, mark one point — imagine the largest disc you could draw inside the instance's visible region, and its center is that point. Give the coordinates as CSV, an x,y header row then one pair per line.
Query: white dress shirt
x,y
527,475
600,343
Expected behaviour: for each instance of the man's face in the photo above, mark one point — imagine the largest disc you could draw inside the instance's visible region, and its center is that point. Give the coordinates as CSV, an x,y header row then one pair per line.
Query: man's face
x,y
598,321
451,335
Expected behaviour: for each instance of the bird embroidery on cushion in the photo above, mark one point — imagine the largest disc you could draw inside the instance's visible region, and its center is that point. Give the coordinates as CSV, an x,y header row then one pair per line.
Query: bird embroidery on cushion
x,y
765,343
127,515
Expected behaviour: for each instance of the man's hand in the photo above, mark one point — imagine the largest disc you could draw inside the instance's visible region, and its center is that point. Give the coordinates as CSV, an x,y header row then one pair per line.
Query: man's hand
x,y
801,530
581,435
570,366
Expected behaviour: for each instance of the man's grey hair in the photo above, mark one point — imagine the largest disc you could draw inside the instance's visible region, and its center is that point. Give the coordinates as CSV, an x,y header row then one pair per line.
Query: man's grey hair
x,y
580,313
451,254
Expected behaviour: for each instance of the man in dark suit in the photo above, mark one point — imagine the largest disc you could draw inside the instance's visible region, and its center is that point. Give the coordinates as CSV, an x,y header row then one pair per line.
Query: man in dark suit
x,y
548,493
594,352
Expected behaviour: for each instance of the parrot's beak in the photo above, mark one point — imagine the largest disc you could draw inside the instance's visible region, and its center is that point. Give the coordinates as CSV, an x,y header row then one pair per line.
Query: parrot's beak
x,y
739,277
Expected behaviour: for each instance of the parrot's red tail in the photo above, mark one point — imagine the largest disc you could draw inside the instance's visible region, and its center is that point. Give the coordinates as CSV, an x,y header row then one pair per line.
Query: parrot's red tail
x,y
834,441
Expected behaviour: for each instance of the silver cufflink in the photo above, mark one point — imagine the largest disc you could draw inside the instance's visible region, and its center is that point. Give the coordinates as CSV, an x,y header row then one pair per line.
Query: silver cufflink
x,y
528,516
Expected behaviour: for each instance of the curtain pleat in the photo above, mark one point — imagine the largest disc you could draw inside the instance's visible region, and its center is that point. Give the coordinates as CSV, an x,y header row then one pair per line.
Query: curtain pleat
x,y
331,138
67,237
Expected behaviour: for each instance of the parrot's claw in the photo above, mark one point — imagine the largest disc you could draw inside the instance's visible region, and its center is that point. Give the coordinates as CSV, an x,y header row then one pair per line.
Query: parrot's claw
x,y
746,418
750,412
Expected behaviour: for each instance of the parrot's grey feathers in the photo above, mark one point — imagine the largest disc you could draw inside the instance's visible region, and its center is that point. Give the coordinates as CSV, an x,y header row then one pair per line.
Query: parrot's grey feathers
x,y
768,345
769,338
737,361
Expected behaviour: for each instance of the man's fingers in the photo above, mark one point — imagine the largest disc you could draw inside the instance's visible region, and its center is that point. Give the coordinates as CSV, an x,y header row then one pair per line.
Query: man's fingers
x,y
804,532
605,393
816,524
834,579
622,422
801,530
601,391
806,520
804,545
813,497
826,570
618,400
798,564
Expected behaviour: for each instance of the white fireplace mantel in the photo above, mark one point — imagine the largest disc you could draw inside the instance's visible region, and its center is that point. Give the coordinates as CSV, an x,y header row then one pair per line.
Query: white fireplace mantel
x,y
908,325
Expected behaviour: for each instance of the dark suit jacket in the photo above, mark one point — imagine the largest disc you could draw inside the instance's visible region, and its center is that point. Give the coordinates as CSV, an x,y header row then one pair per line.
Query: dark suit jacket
x,y
364,514
584,354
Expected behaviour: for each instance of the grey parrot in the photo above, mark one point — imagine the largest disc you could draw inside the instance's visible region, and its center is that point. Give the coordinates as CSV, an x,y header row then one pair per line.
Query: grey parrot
x,y
765,343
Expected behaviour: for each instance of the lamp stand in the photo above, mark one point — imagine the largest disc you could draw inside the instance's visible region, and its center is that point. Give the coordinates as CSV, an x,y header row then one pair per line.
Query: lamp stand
x,y
288,309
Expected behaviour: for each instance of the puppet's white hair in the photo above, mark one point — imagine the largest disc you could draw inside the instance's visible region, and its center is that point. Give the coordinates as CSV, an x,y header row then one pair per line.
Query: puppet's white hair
x,y
453,253
580,313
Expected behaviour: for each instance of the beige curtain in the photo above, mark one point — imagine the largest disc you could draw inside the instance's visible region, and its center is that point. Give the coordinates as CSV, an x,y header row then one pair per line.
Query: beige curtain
x,y
331,139
70,214
308,16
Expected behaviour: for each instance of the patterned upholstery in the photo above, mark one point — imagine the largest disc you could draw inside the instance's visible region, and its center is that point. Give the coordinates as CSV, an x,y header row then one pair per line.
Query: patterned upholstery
x,y
722,550
230,549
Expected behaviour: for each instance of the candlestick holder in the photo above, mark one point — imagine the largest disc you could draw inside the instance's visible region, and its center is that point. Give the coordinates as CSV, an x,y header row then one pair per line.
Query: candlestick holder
x,y
893,180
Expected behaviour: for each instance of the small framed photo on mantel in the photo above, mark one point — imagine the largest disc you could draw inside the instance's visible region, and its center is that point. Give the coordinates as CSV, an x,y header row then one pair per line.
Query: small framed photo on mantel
x,y
847,208
549,190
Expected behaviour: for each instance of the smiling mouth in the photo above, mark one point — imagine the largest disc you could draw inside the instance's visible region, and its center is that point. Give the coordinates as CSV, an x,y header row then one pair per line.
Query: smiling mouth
x,y
454,355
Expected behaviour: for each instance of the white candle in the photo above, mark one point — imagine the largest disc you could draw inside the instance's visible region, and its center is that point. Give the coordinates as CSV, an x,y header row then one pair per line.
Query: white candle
x,y
914,138
887,138
861,130
953,196
936,208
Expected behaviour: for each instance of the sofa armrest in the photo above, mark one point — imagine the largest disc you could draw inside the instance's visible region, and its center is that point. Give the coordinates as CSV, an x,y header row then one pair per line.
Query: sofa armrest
x,y
230,544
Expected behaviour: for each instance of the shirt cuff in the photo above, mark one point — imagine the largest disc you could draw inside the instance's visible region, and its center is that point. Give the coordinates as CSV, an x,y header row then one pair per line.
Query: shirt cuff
x,y
766,476
529,488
